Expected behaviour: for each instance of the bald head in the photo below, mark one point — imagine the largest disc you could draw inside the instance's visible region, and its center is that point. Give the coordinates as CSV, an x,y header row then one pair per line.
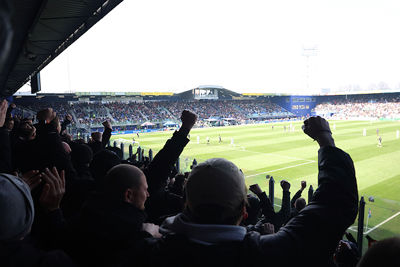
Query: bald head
x,y
127,183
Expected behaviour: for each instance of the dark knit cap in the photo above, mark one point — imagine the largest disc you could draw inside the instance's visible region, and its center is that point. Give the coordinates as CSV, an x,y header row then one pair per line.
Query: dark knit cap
x,y
102,162
81,154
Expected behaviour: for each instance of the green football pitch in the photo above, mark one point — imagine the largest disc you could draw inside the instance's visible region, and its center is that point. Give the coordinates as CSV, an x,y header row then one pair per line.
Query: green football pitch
x,y
260,150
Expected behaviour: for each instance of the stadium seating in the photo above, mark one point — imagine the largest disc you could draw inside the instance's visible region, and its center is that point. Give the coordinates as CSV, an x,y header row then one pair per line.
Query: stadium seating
x,y
130,113
361,107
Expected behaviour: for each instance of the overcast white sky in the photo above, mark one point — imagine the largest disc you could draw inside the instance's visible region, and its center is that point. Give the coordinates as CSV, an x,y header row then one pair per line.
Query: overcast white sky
x,y
243,45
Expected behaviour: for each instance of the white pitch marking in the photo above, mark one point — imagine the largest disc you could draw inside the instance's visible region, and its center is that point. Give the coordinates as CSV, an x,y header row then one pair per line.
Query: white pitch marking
x,y
284,168
355,229
274,154
385,221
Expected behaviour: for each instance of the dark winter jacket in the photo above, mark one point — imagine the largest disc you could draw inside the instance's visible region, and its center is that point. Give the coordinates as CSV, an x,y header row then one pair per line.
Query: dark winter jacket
x,y
104,227
161,202
22,254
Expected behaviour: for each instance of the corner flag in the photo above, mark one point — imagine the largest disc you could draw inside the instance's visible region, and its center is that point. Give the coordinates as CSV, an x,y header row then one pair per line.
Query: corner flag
x,y
369,213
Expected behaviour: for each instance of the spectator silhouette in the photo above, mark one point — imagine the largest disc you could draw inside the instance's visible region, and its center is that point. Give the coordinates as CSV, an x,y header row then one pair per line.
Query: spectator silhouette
x,y
382,253
208,231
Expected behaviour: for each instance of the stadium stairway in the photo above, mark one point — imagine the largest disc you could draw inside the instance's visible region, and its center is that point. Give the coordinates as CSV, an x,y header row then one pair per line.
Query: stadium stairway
x,y
143,115
109,114
73,114
169,112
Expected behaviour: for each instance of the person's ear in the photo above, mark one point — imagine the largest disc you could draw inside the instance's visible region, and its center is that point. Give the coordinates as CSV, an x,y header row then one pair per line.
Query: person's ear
x,y
129,195
245,215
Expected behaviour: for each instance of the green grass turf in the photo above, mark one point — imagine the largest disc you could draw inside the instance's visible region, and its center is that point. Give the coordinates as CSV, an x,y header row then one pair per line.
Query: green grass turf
x,y
259,150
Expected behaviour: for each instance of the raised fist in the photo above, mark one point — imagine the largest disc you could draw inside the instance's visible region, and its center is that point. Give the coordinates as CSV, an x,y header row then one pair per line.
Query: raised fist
x,y
255,188
318,129
107,124
315,126
188,119
303,185
285,185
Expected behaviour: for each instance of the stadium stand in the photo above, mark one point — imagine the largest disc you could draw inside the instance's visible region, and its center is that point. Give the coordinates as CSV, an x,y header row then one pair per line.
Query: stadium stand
x,y
95,209
68,202
133,113
361,106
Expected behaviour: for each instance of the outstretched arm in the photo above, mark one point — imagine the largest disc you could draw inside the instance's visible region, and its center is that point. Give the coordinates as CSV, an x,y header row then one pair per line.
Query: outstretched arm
x,y
162,164
266,206
284,213
298,194
106,134
67,121
316,231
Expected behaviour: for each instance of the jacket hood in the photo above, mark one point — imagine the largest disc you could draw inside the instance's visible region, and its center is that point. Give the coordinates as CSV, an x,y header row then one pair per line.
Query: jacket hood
x,y
207,234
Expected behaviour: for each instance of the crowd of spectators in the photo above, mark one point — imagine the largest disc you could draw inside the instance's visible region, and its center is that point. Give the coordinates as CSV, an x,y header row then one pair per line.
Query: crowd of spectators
x,y
65,202
162,111
89,113
262,107
62,108
363,107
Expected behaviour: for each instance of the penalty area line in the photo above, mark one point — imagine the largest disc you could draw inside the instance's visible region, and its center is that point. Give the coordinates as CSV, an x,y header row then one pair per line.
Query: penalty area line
x,y
270,154
385,221
354,228
280,169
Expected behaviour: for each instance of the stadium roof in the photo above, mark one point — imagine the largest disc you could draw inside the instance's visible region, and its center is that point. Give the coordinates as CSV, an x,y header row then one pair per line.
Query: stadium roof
x,y
42,30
